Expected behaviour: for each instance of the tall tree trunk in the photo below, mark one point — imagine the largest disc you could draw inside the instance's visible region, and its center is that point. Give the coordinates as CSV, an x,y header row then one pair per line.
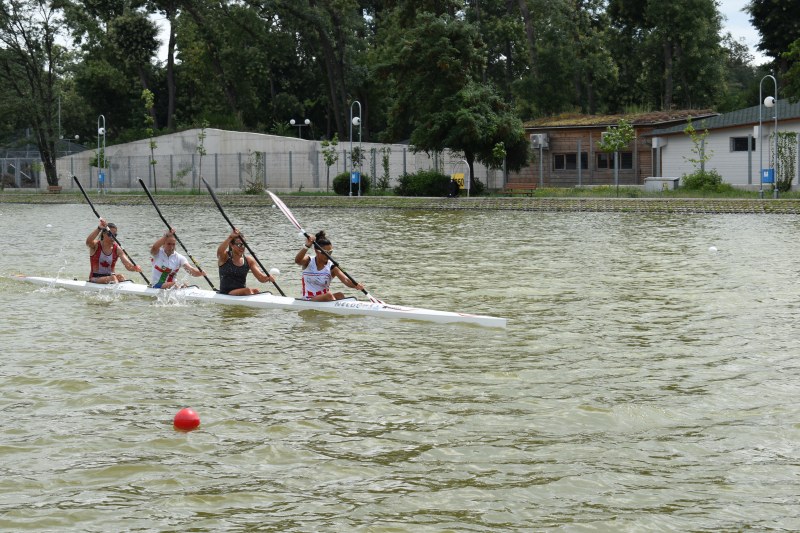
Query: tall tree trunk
x,y
668,74
213,52
530,34
171,70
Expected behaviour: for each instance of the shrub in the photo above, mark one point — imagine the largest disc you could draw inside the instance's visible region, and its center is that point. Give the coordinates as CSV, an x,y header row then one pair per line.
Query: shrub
x,y
341,184
423,183
706,181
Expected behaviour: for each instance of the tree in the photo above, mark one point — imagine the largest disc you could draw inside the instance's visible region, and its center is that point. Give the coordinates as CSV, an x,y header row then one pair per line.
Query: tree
x,y
792,78
777,23
30,61
440,102
614,140
331,156
670,51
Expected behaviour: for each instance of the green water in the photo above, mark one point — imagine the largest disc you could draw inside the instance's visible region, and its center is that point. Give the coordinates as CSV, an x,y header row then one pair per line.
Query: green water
x,y
645,382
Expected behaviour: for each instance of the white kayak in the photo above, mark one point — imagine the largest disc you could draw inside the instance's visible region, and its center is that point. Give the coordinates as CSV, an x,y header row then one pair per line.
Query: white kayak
x,y
349,306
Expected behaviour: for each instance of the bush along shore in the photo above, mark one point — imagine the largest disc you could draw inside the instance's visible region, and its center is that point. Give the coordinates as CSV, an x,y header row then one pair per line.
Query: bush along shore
x,y
665,204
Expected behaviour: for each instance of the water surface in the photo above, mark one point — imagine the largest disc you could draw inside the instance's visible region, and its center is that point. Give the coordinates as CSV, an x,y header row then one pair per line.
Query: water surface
x,y
645,382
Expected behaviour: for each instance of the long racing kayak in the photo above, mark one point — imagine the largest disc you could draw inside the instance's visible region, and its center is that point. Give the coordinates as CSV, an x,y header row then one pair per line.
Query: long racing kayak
x,y
348,306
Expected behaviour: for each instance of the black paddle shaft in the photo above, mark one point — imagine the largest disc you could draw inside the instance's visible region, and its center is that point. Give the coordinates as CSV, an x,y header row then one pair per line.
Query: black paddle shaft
x,y
222,211
153,201
78,183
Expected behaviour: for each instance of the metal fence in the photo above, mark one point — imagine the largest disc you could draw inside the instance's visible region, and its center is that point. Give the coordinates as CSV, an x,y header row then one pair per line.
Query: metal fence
x,y
287,171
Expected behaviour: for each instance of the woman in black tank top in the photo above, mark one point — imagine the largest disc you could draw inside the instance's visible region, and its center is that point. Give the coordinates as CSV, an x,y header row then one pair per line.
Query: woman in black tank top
x,y
234,265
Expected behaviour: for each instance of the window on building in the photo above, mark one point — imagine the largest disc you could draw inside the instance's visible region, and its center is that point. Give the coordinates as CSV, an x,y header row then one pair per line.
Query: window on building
x,y
570,161
606,161
739,144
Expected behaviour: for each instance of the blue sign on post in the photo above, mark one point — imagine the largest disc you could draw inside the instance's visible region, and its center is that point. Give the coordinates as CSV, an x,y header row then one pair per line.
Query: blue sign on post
x,y
767,175
355,176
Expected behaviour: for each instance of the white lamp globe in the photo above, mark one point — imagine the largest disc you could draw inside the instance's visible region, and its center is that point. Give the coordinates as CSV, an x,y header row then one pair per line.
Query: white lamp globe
x,y
769,101
356,121
101,131
291,122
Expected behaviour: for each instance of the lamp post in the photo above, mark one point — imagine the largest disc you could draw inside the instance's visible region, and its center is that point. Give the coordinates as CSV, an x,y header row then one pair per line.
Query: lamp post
x,y
101,154
769,101
306,122
355,121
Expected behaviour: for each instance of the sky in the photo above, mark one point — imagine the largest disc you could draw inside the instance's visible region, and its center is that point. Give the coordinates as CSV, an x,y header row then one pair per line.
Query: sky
x,y
736,21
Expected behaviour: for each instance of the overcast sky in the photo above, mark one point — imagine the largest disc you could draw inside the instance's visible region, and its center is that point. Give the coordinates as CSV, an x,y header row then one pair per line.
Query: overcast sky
x,y
738,23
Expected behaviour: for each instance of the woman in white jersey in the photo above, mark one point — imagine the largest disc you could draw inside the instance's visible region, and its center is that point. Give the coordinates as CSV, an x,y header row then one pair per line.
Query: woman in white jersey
x,y
167,262
318,270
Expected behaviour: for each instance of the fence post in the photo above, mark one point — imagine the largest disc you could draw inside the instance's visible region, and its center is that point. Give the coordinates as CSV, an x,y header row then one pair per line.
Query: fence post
x,y
290,169
216,172
265,170
239,159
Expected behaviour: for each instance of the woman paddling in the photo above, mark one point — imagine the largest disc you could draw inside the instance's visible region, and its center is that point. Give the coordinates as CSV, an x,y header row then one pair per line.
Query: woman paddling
x,y
167,262
319,270
104,252
234,266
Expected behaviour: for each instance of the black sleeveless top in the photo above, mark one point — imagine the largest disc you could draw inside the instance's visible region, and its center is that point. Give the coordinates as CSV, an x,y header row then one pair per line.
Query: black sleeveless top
x,y
232,277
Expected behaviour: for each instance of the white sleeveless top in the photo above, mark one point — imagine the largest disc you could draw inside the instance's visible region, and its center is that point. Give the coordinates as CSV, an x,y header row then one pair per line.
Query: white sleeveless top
x,y
316,282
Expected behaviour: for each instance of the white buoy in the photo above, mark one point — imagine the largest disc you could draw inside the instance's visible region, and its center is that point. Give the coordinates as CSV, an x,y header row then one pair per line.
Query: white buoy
x,y
712,249
274,272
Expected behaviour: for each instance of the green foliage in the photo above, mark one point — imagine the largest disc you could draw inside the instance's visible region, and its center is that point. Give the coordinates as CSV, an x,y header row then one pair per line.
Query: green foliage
x,y
787,159
383,181
618,137
791,81
341,184
423,183
705,181
254,187
701,155
148,100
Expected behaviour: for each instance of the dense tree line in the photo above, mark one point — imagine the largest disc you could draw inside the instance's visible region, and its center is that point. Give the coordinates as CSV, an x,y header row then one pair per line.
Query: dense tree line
x,y
440,73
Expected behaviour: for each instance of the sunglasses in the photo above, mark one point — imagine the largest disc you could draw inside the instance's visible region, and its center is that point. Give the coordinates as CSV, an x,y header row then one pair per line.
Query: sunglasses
x,y
239,244
323,251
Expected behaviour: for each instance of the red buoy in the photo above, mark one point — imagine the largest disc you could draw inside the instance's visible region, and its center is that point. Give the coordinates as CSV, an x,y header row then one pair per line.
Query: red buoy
x,y
186,419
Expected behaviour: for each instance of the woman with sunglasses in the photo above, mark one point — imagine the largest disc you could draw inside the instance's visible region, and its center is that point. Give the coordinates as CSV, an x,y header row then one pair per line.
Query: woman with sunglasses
x,y
319,270
104,252
234,266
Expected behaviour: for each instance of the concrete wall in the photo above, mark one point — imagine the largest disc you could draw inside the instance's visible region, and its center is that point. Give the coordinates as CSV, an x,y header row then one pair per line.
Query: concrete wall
x,y
732,166
235,158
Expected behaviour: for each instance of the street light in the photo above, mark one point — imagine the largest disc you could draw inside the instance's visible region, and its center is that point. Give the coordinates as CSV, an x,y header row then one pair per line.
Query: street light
x,y
101,155
769,101
300,126
355,121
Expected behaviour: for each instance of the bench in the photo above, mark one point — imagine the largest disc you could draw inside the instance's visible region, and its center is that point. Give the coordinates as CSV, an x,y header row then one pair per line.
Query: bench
x,y
527,189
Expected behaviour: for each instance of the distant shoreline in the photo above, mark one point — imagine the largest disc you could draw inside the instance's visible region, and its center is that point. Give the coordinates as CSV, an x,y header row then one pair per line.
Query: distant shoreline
x,y
614,205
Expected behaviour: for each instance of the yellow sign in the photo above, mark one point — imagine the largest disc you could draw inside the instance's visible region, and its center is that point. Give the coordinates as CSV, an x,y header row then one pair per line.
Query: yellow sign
x,y
459,178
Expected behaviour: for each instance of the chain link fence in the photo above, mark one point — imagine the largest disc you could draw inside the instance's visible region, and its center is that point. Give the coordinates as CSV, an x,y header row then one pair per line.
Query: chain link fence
x,y
285,171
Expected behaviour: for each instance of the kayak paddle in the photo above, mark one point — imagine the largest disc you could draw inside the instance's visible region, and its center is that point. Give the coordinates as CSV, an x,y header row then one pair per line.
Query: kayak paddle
x,y
219,206
78,183
169,228
285,210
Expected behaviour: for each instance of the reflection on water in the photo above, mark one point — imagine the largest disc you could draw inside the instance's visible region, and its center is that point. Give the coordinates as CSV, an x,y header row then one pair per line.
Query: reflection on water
x,y
644,381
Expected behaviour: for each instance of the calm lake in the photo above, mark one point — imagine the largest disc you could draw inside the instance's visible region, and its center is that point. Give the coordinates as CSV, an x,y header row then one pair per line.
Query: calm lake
x,y
648,379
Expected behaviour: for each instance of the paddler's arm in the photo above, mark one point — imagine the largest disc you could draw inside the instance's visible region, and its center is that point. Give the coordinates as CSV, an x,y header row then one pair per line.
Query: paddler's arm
x,y
222,249
336,271
91,240
260,276
302,258
160,242
123,256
